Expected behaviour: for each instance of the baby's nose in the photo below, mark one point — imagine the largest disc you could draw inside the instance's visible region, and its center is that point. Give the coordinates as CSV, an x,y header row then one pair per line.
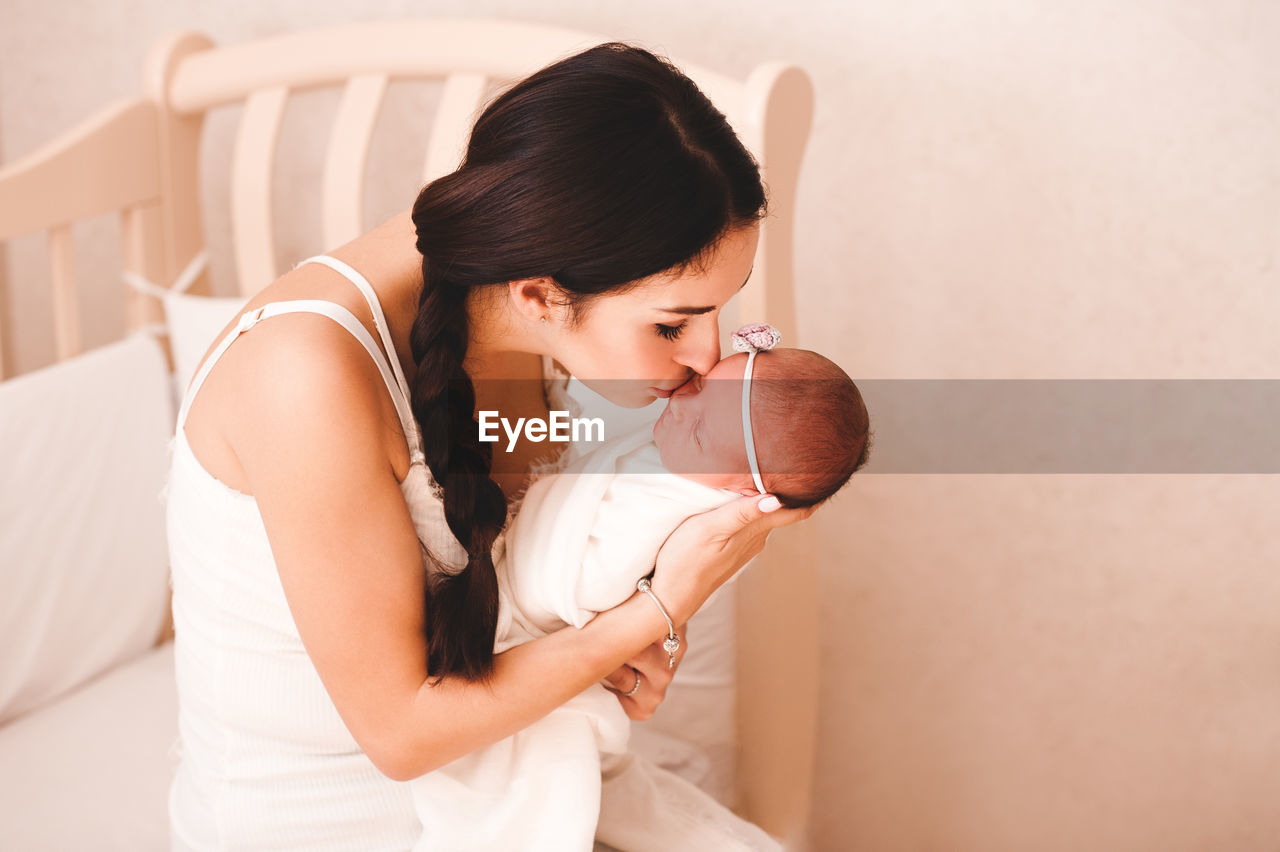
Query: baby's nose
x,y
689,388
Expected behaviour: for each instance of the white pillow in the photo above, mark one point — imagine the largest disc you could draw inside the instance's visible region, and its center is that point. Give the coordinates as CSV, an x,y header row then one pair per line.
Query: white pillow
x,y
83,555
193,322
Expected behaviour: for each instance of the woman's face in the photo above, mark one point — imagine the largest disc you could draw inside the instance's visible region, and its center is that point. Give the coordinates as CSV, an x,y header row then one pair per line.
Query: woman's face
x,y
643,344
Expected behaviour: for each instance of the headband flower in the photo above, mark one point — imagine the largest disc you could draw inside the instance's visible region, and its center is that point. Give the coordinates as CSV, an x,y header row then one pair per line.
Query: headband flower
x,y
755,337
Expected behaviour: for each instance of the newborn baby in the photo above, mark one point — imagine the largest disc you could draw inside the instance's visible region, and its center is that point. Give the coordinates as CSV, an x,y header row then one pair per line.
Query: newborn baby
x,y
786,421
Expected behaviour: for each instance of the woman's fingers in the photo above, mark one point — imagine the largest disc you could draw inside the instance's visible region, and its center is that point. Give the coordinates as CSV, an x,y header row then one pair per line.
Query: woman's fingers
x,y
621,679
707,548
655,672
640,704
782,517
732,517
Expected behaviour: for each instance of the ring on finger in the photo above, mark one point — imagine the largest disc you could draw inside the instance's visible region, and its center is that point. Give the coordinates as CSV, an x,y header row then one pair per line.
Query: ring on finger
x,y
636,687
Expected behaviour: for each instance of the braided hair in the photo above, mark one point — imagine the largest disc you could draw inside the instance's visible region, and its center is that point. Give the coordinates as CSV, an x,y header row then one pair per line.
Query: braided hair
x,y
601,169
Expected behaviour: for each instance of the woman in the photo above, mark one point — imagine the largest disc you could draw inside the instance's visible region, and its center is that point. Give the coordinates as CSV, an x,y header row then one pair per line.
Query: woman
x,y
316,460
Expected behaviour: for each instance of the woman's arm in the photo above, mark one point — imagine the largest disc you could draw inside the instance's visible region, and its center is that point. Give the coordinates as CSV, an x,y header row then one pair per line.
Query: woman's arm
x,y
534,678
312,434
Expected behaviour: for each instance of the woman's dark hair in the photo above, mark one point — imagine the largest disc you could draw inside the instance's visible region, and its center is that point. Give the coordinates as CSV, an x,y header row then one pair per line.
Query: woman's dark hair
x,y
599,170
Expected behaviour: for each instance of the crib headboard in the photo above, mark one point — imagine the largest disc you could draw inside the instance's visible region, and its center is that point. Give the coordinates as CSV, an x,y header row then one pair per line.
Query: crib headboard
x,y
141,156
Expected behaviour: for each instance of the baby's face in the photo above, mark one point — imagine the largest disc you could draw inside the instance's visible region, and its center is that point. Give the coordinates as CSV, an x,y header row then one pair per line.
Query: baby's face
x,y
699,435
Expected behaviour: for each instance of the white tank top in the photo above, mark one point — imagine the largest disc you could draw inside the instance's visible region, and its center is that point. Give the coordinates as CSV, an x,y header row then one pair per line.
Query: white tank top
x,y
264,759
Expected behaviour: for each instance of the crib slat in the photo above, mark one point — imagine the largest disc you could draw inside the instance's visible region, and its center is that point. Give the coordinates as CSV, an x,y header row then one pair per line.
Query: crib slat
x,y
66,303
346,158
459,105
142,248
251,169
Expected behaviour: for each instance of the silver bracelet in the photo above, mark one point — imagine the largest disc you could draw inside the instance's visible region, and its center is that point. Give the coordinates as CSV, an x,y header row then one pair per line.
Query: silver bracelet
x,y
672,643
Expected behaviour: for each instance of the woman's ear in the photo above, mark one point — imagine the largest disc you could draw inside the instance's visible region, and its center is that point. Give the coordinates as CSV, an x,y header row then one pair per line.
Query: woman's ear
x,y
534,298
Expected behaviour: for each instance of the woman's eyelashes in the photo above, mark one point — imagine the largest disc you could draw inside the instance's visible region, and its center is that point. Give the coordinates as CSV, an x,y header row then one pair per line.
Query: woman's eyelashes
x,y
671,332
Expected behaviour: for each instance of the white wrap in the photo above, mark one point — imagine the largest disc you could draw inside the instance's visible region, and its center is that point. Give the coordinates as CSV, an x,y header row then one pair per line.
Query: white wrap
x,y
580,541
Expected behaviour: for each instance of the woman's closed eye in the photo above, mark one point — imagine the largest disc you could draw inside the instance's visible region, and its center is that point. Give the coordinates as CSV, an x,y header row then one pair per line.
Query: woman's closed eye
x,y
671,332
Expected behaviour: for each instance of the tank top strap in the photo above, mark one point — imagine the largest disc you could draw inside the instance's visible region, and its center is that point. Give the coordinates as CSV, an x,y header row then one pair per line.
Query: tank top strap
x,y
379,318
380,323
338,314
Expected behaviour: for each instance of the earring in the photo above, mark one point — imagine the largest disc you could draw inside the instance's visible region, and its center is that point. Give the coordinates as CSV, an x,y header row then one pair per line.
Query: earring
x,y
544,319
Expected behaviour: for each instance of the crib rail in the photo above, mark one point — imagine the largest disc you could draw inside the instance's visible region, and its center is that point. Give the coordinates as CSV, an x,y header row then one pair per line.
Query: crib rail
x,y
437,47
107,164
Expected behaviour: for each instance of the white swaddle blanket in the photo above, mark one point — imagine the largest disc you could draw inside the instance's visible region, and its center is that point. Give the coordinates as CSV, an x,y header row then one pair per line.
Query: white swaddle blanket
x,y
581,540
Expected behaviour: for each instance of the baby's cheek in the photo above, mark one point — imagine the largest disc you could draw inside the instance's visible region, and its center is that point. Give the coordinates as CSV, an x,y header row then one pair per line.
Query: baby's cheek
x,y
669,451
721,461
661,443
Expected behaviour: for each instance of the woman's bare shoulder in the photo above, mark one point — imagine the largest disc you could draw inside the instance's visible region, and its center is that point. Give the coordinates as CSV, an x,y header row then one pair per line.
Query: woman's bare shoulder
x,y
295,380
309,387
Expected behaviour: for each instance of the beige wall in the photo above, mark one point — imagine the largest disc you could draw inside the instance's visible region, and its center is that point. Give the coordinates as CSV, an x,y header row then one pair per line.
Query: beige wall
x,y
995,189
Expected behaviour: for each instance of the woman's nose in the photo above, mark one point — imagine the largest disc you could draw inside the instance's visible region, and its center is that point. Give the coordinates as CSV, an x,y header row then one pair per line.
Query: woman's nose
x,y
703,350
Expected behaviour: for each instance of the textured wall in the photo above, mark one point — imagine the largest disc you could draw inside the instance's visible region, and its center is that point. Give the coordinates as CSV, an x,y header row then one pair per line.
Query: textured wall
x,y
994,189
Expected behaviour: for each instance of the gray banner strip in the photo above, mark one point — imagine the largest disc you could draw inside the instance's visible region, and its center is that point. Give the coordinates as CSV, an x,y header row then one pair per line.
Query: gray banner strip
x,y
1074,426
1039,425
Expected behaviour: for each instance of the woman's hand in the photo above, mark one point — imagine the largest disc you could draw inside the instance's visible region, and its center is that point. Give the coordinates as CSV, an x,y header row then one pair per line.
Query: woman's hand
x,y
654,669
709,548
696,559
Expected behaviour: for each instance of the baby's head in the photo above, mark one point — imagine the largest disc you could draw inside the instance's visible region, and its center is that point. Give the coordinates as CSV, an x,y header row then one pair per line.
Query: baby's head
x,y
808,422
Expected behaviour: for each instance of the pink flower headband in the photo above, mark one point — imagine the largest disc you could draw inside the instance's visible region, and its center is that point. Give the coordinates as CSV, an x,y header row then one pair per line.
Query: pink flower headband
x,y
753,338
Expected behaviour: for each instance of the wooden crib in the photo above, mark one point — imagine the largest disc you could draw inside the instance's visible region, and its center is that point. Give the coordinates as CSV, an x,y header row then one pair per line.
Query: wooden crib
x,y
140,157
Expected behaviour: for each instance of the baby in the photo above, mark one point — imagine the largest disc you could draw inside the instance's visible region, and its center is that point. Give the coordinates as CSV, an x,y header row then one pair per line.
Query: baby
x,y
789,422
793,413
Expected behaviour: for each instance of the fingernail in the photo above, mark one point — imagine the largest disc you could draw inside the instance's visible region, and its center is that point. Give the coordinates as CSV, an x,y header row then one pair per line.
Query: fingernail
x,y
769,504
